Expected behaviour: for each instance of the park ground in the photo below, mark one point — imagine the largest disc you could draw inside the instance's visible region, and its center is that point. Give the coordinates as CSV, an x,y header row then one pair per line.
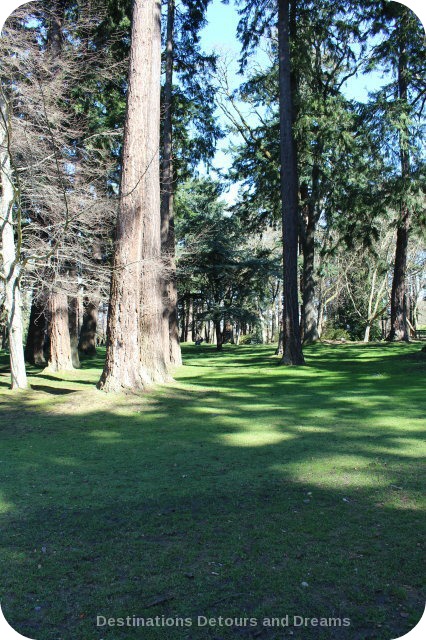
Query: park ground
x,y
242,489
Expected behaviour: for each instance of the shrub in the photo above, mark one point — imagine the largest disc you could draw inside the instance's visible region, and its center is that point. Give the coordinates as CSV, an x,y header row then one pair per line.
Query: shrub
x,y
250,338
334,333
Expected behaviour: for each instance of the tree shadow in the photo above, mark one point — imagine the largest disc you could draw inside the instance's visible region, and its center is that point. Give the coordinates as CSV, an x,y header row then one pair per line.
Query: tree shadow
x,y
215,497
53,390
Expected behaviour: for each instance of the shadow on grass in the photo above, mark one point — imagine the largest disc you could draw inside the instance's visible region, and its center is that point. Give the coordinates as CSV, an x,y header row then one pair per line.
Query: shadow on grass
x,y
56,391
219,496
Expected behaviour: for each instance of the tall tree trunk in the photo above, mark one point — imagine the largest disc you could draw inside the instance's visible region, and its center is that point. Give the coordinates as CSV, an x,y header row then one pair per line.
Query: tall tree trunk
x,y
60,358
172,350
87,343
34,347
62,331
11,271
59,353
289,196
135,352
398,329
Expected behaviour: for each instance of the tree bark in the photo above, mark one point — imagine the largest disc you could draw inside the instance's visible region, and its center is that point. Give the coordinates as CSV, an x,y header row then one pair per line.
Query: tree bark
x,y
172,350
60,358
293,354
135,351
34,348
87,343
398,329
11,271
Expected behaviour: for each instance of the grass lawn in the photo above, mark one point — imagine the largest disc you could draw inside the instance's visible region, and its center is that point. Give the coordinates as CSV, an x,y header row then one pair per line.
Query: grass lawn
x,y
218,495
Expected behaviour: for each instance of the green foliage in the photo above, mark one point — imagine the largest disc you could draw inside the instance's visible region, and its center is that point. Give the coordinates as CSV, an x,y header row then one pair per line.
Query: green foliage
x,y
331,332
251,338
216,259
348,324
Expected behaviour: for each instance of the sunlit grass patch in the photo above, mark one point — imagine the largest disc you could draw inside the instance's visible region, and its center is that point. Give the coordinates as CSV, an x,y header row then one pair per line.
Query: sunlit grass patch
x,y
218,494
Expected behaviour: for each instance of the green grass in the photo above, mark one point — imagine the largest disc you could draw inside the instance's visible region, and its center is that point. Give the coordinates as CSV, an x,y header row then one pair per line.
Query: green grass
x,y
218,495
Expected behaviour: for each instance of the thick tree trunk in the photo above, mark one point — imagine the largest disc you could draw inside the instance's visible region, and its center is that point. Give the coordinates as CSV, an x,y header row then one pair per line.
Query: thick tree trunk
x,y
11,272
87,343
172,350
398,329
135,351
34,347
60,357
289,196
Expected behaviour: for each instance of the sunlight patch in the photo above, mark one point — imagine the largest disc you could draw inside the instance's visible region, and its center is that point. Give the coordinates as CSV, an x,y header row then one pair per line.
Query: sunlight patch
x,y
255,438
314,429
405,447
5,506
332,471
110,436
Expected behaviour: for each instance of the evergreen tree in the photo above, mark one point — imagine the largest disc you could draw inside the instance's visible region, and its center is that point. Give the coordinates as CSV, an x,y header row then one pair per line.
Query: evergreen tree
x,y
135,351
397,111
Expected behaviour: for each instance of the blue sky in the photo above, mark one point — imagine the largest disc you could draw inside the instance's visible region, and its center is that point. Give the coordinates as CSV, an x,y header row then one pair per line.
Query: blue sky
x,y
220,34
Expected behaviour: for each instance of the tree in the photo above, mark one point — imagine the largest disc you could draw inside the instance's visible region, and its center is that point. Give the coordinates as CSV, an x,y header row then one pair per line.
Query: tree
x,y
321,42
223,271
170,322
399,330
195,96
135,353
57,170
87,341
34,347
397,111
293,354
11,271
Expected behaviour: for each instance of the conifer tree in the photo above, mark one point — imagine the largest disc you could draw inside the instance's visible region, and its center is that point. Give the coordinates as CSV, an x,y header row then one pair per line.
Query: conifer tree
x,y
135,352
